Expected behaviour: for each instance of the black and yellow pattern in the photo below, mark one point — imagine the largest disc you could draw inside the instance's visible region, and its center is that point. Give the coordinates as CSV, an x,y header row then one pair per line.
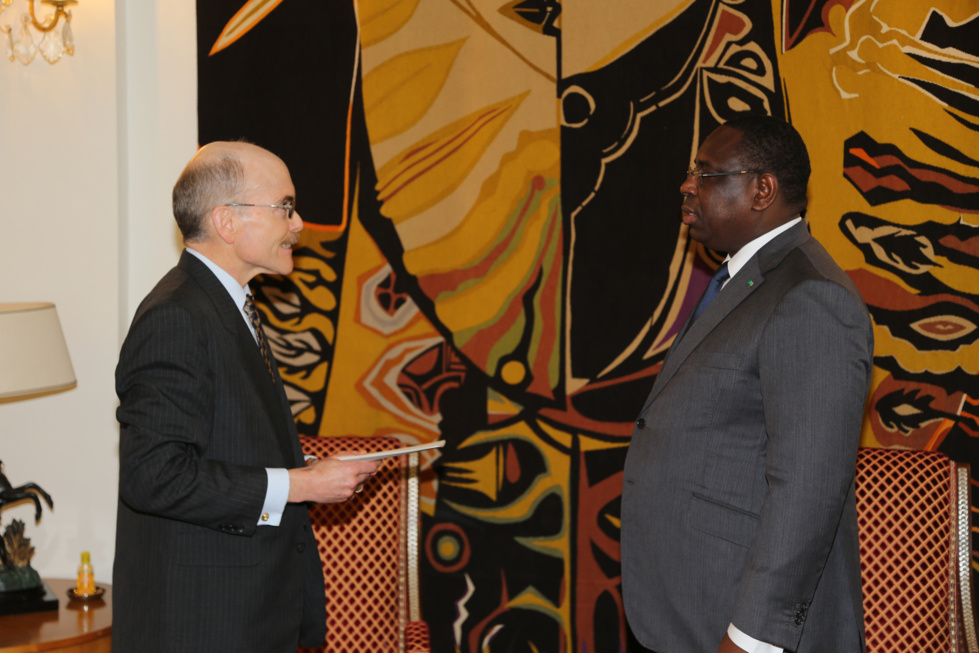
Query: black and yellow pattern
x,y
494,255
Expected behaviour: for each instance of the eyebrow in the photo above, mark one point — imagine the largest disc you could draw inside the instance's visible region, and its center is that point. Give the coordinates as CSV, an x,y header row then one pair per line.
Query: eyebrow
x,y
700,164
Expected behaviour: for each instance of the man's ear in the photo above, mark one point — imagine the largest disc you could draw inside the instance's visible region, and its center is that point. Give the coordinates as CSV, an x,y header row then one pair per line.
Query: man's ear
x,y
225,222
766,191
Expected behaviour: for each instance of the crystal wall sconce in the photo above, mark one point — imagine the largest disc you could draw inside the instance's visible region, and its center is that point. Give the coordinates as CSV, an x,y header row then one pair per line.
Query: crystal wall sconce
x,y
20,43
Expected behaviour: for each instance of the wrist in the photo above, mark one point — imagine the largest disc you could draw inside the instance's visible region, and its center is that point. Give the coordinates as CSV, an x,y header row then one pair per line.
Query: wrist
x,y
296,485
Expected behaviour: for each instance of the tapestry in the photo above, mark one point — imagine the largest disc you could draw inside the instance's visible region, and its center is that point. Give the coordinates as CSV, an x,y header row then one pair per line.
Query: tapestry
x,y
493,253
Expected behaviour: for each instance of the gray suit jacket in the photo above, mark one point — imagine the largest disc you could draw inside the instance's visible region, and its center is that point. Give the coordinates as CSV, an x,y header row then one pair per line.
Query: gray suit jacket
x,y
738,495
200,420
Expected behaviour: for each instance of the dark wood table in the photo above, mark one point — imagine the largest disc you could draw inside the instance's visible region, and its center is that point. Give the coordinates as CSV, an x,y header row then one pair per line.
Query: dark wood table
x,y
75,627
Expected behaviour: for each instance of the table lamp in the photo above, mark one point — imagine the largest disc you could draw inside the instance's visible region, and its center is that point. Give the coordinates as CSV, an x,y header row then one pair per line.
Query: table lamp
x,y
33,362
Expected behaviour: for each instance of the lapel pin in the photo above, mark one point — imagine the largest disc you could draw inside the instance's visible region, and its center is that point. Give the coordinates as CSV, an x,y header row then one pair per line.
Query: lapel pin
x,y
751,283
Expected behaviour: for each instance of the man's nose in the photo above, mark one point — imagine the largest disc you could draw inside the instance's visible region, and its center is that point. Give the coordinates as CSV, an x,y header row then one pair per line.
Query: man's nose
x,y
689,186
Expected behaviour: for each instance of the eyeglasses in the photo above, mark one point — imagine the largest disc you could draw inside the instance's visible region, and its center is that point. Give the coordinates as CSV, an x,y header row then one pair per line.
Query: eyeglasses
x,y
289,208
700,174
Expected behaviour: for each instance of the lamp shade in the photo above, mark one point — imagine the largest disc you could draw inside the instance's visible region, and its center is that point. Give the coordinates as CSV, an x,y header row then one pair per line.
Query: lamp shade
x,y
33,354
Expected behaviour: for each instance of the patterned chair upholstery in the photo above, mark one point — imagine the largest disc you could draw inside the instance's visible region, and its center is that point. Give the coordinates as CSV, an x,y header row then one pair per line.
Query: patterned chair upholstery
x,y
914,516
369,548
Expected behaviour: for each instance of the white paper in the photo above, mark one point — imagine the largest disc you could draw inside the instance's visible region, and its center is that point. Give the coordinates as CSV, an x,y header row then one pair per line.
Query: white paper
x,y
377,455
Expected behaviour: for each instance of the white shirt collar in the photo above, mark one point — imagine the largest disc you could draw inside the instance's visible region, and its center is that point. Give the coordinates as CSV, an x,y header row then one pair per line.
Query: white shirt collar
x,y
736,262
237,292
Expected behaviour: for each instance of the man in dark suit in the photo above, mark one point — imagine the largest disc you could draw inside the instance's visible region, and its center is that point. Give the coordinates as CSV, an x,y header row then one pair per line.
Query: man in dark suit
x,y
214,550
739,528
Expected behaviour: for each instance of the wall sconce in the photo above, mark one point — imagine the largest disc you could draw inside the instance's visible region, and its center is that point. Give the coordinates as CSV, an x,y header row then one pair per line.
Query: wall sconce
x,y
20,43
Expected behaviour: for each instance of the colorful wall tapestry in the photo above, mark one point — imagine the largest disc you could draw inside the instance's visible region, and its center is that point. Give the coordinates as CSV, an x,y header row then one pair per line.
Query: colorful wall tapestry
x,y
493,251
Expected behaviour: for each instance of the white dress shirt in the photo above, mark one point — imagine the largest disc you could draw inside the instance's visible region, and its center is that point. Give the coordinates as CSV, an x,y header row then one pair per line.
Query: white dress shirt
x,y
277,493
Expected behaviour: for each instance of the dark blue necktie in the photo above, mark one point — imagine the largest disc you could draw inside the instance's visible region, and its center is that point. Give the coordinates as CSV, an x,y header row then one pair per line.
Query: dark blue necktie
x,y
713,288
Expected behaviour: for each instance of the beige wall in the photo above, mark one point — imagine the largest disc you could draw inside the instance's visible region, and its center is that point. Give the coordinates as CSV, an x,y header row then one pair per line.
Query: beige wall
x,y
89,149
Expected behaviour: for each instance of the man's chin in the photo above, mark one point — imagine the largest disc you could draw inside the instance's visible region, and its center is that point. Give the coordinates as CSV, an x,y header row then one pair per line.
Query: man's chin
x,y
695,233
282,269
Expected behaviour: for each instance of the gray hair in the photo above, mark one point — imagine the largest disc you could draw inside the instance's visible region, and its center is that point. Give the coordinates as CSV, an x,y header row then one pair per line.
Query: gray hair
x,y
206,182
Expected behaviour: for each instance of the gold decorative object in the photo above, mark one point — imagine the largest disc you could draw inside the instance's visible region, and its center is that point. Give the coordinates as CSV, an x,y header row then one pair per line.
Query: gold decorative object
x,y
16,573
18,547
20,44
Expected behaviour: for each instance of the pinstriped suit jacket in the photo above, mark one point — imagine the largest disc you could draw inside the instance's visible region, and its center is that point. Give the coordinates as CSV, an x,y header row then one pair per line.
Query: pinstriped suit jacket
x,y
200,421
738,494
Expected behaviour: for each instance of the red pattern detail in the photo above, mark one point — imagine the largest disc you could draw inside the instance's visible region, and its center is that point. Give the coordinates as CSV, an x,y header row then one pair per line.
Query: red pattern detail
x,y
594,507
416,637
904,507
426,377
511,464
728,24
387,297
436,559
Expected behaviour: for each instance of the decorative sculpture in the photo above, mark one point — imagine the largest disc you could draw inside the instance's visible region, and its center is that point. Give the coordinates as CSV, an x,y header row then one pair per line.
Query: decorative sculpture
x,y
16,573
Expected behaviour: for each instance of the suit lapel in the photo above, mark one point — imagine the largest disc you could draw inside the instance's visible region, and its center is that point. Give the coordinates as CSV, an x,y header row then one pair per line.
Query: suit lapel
x,y
748,280
272,394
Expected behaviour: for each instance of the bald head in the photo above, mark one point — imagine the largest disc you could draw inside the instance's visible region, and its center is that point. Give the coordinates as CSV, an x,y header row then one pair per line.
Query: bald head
x,y
216,175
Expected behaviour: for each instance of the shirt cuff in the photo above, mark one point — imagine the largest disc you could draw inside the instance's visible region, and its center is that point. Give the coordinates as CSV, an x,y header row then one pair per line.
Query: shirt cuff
x,y
276,497
750,644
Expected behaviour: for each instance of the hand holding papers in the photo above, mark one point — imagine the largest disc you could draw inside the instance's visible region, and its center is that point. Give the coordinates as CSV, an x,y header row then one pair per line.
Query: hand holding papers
x,y
377,455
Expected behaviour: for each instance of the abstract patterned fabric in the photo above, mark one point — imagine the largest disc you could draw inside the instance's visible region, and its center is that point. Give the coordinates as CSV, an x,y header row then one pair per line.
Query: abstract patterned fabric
x,y
493,253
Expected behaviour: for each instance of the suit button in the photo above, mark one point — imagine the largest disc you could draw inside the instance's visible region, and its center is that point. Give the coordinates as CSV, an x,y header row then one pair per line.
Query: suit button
x,y
640,423
300,547
800,613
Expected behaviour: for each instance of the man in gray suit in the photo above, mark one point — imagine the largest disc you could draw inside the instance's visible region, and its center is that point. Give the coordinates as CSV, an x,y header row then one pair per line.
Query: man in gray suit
x,y
739,528
214,550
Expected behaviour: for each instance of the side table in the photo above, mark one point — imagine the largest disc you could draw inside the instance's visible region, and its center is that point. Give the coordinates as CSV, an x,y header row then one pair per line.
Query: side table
x,y
76,627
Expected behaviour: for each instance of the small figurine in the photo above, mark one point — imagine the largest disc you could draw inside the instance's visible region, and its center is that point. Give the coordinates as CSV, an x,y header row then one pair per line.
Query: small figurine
x,y
16,551
11,494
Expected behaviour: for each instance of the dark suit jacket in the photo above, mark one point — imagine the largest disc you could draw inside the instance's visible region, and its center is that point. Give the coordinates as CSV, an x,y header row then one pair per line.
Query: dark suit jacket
x,y
200,421
738,498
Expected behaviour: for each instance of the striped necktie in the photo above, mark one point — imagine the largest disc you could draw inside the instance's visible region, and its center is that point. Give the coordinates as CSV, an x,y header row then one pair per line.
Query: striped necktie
x,y
252,312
